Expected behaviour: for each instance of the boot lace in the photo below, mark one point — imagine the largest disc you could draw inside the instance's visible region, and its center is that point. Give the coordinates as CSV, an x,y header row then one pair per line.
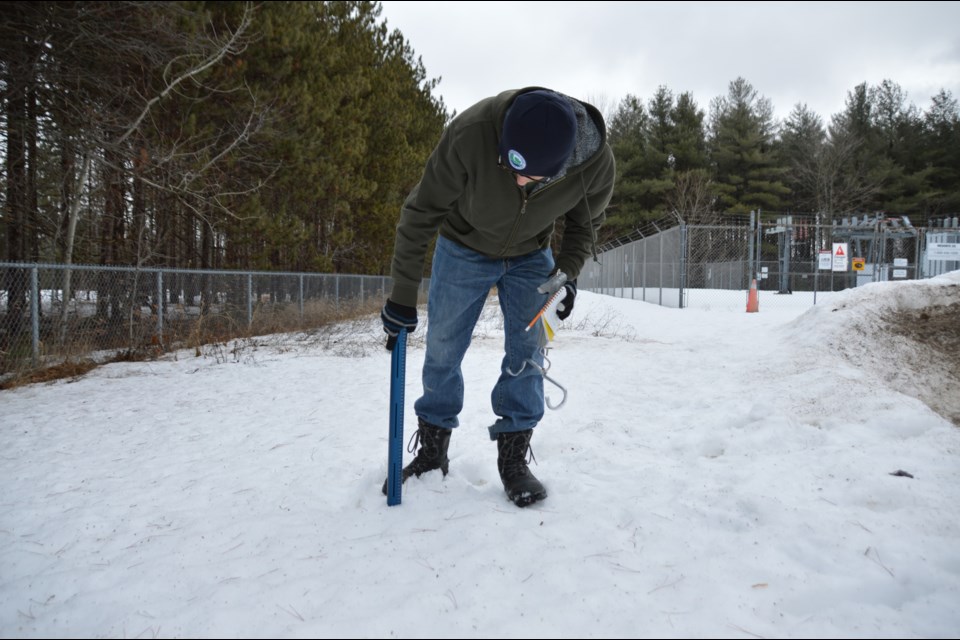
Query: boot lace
x,y
517,465
413,442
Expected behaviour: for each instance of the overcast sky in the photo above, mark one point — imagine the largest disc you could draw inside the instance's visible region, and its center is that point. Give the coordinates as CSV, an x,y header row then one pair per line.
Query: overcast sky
x,y
791,52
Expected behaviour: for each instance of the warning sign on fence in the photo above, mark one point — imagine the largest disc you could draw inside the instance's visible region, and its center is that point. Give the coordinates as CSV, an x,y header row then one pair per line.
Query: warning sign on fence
x,y
840,252
825,260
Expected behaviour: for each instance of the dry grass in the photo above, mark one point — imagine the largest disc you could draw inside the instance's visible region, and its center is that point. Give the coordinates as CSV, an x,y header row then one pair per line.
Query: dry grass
x,y
207,331
68,369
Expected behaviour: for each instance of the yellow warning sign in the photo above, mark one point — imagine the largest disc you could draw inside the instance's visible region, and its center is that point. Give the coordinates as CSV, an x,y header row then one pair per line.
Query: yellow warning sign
x,y
858,264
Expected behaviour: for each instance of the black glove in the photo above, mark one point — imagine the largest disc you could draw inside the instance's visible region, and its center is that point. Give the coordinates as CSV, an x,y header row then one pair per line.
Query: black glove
x,y
565,308
395,317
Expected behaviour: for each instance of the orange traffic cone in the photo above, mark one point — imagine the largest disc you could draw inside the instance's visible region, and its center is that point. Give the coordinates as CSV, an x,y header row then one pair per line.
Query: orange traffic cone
x,y
753,300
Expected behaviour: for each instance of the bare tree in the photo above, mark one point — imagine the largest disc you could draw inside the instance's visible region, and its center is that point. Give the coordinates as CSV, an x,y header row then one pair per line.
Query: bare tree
x,y
693,197
109,95
838,182
122,84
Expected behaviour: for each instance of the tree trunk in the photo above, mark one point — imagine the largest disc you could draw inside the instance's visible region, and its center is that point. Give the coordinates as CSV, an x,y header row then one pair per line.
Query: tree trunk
x,y
16,204
74,215
32,239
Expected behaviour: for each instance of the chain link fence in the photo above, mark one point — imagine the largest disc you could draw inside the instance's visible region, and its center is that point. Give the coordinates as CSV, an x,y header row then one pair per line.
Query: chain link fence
x,y
49,312
649,268
793,260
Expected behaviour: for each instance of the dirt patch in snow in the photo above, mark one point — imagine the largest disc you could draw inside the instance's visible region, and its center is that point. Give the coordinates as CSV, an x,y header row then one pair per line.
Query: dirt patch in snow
x,y
935,333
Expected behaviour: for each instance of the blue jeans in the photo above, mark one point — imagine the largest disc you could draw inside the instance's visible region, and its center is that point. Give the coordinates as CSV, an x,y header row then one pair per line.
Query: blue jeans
x,y
459,283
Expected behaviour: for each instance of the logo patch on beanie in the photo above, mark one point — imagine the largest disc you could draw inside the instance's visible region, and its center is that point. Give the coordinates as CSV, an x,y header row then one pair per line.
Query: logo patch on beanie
x,y
517,161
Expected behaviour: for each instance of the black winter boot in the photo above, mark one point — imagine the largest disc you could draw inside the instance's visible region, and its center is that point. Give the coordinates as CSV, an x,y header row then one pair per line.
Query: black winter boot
x,y
432,455
522,487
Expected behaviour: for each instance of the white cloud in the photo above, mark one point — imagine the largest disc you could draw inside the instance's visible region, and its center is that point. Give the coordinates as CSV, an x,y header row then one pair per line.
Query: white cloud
x,y
812,52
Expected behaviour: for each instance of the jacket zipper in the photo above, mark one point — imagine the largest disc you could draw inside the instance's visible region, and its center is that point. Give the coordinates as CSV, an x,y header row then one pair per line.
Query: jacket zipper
x,y
523,209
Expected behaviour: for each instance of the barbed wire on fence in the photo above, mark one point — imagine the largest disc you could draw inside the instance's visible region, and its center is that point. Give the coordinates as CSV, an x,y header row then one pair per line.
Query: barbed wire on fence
x,y
713,265
52,312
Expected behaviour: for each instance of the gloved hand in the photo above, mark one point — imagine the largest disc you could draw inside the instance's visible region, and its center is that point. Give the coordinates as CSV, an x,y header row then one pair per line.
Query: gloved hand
x,y
395,317
558,280
551,286
566,305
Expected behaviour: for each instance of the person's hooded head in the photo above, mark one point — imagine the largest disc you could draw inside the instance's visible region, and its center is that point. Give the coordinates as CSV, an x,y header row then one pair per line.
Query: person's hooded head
x,y
539,134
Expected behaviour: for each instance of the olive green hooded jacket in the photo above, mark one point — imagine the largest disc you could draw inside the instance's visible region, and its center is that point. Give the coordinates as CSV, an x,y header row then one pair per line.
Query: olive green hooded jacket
x,y
470,199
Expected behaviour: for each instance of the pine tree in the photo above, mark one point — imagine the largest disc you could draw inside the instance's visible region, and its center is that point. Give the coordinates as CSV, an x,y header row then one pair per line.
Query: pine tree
x,y
941,152
659,161
741,144
802,148
899,127
626,133
688,138
858,165
352,122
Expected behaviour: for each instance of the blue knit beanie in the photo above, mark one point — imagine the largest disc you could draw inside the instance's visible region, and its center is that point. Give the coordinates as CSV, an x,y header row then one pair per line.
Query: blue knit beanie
x,y
539,134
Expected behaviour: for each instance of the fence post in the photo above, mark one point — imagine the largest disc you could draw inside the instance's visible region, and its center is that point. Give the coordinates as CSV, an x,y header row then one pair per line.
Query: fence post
x,y
918,274
249,300
35,312
660,237
623,274
683,260
159,306
750,270
301,297
644,275
757,262
602,283
785,249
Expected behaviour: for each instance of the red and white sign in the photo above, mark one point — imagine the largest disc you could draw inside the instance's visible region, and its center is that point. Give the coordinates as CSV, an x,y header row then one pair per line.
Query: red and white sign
x,y
840,252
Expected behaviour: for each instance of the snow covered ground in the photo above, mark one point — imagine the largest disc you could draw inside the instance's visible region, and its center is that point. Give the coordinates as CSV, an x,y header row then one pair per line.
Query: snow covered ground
x,y
712,474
